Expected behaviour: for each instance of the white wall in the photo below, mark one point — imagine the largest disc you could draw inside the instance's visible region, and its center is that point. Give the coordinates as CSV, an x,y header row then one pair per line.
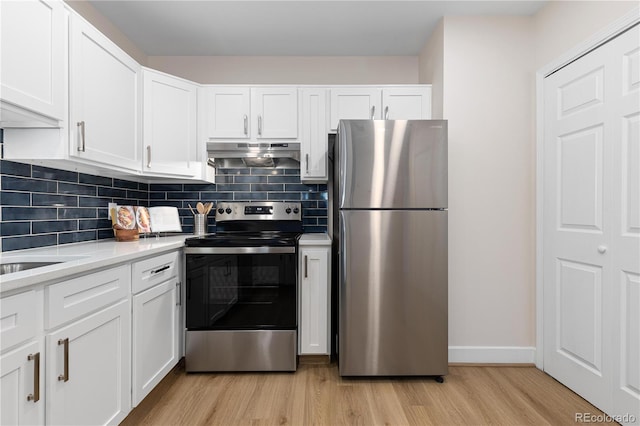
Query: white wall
x,y
561,25
488,79
290,69
488,102
430,68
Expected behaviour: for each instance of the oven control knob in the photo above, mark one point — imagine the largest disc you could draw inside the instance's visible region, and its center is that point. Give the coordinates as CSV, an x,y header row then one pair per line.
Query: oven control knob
x,y
220,210
228,210
288,210
296,210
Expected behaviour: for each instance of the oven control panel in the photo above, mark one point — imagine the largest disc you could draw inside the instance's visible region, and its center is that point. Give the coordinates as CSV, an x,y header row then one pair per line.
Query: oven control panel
x,y
259,210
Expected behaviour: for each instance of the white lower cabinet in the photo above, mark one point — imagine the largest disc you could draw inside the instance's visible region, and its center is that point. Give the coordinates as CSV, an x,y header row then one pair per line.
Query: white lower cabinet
x,y
22,385
82,350
155,336
156,321
314,323
22,393
89,369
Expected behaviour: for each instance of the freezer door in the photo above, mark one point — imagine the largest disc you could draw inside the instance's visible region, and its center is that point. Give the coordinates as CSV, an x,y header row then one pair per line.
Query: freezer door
x,y
392,293
392,164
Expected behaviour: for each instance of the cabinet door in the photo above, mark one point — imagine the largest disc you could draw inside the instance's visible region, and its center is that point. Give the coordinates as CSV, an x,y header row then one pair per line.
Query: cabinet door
x,y
314,301
155,336
406,103
105,83
22,386
228,112
89,369
32,56
354,103
314,141
170,144
275,113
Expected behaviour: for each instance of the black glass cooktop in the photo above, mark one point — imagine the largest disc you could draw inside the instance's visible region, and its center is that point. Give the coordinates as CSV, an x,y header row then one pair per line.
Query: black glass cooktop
x,y
244,239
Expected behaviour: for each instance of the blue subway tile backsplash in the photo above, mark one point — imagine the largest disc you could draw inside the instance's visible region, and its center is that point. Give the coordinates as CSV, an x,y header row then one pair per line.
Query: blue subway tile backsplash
x,y
43,206
252,184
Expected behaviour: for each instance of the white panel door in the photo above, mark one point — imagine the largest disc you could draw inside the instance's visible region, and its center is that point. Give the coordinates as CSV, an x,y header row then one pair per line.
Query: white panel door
x,y
355,103
169,134
315,298
625,111
275,113
89,375
228,110
406,103
22,386
591,258
314,143
155,337
32,55
106,90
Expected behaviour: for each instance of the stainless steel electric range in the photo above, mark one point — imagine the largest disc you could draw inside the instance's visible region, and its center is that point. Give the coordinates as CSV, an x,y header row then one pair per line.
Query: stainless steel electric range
x,y
241,289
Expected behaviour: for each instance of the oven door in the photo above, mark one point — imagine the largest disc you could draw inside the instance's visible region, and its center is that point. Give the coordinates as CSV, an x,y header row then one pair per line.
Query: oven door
x,y
241,288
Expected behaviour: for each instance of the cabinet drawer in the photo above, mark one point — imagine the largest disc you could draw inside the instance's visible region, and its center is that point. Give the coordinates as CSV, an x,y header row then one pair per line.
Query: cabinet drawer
x,y
77,297
149,272
18,318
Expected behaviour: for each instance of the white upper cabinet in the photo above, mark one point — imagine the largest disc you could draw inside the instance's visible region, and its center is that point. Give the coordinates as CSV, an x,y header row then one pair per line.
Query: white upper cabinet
x,y
275,112
406,103
32,63
105,100
314,139
251,113
228,111
354,103
375,103
169,135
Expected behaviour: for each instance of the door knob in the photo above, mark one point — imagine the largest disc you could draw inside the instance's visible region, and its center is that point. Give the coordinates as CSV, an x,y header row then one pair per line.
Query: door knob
x,y
602,249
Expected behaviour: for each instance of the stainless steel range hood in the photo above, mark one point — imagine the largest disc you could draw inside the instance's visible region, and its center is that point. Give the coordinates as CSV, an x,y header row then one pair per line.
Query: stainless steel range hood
x,y
277,155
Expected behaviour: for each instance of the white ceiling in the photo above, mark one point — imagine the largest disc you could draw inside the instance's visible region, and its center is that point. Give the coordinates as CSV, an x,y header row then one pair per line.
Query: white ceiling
x,y
300,28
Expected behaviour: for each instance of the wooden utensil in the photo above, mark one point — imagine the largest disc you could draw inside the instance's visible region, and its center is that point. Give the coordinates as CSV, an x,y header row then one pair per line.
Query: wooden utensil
x,y
208,207
200,207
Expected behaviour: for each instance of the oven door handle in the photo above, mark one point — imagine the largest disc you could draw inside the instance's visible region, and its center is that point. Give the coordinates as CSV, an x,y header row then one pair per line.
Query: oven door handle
x,y
238,250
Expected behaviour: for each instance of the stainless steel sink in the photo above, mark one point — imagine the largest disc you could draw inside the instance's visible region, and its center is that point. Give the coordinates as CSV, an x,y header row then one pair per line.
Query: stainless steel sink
x,y
7,268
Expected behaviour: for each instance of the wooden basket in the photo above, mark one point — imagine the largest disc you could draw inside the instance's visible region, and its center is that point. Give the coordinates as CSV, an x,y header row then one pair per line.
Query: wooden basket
x,y
126,234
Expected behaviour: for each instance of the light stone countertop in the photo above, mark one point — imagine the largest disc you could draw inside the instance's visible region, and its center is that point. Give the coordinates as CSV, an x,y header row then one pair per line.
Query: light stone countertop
x,y
315,240
81,258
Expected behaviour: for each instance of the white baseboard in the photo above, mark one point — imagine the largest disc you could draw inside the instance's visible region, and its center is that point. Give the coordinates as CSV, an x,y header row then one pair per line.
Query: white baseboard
x,y
492,354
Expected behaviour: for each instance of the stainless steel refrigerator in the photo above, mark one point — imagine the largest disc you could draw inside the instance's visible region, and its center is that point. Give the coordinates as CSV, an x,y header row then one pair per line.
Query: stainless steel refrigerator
x,y
389,201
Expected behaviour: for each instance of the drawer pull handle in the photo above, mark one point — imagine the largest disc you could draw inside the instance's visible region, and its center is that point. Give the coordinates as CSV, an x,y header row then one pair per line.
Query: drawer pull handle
x,y
373,112
164,268
386,113
65,376
245,120
179,295
35,396
306,266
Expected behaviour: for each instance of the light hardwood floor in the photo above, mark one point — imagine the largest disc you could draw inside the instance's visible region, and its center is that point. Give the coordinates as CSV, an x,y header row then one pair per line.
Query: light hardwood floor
x,y
317,395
